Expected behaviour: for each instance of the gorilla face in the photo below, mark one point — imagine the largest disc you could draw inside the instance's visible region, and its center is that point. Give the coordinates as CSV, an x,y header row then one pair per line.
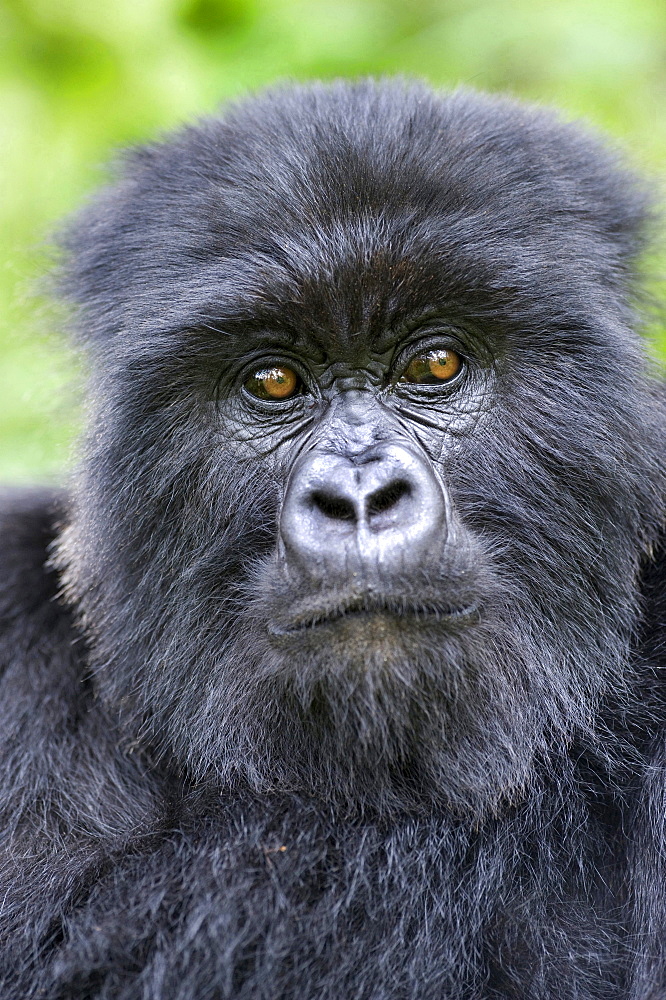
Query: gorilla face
x,y
367,549
374,459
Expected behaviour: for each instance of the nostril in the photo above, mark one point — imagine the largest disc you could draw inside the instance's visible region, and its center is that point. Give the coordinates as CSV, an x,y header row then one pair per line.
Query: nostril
x,y
348,523
387,497
337,508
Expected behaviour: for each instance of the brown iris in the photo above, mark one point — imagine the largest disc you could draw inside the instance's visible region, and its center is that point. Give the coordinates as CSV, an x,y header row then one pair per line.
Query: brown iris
x,y
277,382
433,367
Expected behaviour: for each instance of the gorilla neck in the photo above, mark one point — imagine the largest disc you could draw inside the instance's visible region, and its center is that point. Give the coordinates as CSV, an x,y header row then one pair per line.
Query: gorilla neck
x,y
392,728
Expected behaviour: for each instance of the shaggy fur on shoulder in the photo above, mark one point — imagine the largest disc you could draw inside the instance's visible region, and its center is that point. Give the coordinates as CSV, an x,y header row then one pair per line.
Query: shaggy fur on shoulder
x,y
420,809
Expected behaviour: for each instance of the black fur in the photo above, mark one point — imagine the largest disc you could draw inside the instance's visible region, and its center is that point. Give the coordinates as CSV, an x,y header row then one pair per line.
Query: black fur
x,y
421,809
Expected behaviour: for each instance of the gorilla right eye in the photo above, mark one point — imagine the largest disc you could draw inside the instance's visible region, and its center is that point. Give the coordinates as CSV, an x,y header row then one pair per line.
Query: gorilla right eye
x,y
277,383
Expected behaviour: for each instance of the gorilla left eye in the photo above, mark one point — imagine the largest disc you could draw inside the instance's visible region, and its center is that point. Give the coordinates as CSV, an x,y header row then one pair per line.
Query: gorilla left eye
x,y
277,382
433,367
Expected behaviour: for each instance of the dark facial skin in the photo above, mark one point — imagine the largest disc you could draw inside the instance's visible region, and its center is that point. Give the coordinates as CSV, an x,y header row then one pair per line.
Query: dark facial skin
x,y
361,443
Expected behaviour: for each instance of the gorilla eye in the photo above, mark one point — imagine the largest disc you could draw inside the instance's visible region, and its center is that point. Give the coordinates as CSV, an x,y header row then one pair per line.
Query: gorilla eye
x,y
277,382
433,367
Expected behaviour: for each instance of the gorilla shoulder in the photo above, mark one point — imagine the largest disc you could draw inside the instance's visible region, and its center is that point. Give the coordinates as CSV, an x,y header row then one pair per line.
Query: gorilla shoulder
x,y
28,524
29,611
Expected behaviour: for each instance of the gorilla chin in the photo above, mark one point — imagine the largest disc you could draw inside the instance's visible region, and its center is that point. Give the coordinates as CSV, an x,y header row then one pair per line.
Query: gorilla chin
x,y
431,687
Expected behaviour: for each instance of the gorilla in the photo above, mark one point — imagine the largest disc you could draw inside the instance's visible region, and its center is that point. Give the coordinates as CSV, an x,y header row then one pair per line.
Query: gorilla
x,y
338,672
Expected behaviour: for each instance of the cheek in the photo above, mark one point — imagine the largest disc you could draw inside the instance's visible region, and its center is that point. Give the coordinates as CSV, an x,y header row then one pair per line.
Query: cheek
x,y
442,427
246,434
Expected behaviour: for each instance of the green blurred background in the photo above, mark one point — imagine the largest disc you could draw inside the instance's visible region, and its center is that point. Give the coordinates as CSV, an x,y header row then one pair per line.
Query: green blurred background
x,y
79,78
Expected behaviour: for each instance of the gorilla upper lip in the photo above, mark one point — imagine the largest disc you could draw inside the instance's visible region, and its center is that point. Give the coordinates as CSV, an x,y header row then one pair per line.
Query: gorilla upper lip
x,y
313,615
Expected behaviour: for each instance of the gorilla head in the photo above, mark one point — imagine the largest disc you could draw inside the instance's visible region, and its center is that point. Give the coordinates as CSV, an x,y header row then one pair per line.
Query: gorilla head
x,y
373,457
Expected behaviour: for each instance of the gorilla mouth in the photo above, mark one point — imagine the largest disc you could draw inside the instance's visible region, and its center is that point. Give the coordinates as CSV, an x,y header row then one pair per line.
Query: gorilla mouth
x,y
339,610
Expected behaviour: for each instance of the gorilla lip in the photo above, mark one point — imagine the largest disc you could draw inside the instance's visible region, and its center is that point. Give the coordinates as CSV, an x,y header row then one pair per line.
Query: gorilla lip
x,y
358,607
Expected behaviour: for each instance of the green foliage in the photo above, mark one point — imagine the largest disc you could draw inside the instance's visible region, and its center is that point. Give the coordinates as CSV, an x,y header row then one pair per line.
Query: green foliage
x,y
79,79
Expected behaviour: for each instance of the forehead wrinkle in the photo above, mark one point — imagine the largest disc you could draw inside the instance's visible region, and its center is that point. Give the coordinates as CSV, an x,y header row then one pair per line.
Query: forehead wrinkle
x,y
334,287
345,279
355,278
253,293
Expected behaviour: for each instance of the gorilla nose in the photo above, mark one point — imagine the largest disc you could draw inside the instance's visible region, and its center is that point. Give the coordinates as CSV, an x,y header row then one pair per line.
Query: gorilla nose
x,y
381,513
